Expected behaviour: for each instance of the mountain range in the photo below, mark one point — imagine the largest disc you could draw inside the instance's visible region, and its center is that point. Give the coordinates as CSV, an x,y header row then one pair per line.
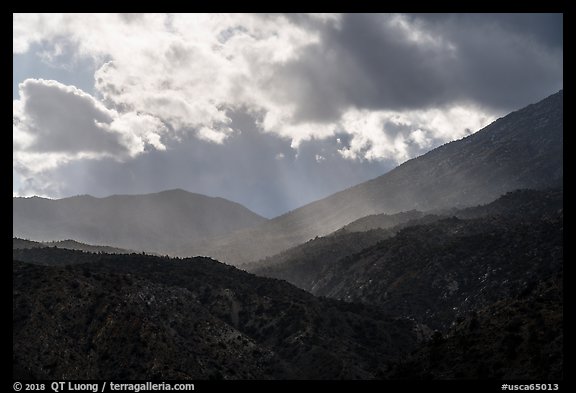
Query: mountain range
x,y
97,316
477,297
163,222
448,267
521,150
350,259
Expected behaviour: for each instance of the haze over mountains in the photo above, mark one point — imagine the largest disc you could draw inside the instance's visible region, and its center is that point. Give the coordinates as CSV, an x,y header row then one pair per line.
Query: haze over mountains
x,y
307,265
520,150
478,296
433,270
163,222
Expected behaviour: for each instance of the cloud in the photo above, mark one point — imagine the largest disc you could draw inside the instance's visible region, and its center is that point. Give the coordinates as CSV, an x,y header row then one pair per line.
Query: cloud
x,y
54,123
301,73
64,119
387,86
402,135
260,171
401,62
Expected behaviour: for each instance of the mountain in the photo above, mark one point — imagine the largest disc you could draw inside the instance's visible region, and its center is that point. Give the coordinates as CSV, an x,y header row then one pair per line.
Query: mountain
x,y
453,298
78,315
382,221
383,266
437,272
450,266
18,243
304,264
521,150
518,203
164,222
513,339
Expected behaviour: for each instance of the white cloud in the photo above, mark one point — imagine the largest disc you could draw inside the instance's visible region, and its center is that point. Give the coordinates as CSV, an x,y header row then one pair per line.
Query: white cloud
x,y
211,135
29,28
137,131
420,130
177,68
187,72
421,138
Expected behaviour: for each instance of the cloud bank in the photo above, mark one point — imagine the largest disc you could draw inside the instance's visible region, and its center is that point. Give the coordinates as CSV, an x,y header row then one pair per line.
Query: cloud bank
x,y
367,87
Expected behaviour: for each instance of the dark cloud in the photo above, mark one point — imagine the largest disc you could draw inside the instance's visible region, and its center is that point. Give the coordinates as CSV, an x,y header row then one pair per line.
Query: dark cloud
x,y
373,61
65,120
544,28
505,67
364,63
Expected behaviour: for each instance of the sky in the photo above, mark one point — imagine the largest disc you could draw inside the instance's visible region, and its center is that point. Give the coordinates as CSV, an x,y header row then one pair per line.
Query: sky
x,y
272,111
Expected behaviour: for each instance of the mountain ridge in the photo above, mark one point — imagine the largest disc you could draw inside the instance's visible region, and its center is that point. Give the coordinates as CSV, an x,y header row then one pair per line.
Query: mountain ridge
x,y
157,222
520,150
523,149
68,244
312,265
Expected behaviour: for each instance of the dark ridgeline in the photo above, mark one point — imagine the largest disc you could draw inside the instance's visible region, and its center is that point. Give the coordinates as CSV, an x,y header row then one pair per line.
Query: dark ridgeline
x,y
18,243
474,297
432,271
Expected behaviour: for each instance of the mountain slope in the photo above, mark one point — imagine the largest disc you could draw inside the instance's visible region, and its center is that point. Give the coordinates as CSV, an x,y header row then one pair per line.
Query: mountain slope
x,y
88,316
135,331
433,263
302,265
521,150
518,202
515,338
164,222
438,271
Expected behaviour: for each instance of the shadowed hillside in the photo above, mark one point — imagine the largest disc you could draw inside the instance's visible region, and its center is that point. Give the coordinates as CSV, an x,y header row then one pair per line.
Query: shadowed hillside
x,y
81,315
516,338
436,272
